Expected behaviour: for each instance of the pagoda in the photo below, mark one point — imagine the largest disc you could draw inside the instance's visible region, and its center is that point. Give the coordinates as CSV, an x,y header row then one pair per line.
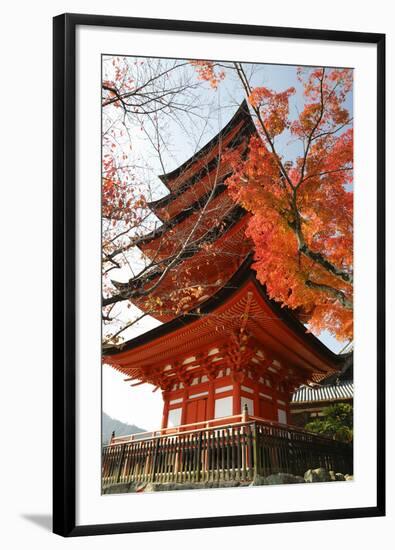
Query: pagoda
x,y
224,348
202,234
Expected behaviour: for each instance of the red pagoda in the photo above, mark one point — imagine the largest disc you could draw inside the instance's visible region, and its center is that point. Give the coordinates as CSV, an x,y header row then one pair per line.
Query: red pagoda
x,y
227,354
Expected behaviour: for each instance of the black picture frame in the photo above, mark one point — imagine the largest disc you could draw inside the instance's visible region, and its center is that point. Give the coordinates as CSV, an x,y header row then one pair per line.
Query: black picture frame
x,y
64,273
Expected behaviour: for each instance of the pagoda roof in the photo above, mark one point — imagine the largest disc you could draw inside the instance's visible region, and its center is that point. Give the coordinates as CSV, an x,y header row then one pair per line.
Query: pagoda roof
x,y
210,236
184,214
242,114
270,324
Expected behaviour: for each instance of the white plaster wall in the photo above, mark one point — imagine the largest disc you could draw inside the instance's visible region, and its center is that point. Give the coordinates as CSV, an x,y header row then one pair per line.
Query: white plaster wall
x,y
223,407
174,418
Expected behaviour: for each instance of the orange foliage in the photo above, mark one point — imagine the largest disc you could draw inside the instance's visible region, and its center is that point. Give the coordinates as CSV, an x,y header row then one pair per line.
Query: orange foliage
x,y
275,107
118,201
302,222
206,71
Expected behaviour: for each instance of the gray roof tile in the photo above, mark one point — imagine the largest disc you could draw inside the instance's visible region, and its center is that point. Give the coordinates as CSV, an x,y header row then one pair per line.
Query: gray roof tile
x,y
343,390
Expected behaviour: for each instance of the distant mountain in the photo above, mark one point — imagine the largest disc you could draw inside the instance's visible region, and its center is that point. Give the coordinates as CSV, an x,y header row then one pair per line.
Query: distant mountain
x,y
110,425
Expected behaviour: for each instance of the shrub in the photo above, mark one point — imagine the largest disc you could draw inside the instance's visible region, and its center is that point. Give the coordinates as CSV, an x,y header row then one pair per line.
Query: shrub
x,y
337,422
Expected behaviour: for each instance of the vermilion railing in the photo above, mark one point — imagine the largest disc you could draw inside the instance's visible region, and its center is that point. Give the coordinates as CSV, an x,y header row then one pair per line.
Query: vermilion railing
x,y
195,426
234,452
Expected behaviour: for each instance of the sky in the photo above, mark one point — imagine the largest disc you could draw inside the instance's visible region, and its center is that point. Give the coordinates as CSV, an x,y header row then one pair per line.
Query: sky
x,y
139,405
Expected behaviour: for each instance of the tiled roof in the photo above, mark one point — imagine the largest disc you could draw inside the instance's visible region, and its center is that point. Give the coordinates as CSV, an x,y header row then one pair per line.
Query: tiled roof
x,y
307,394
318,378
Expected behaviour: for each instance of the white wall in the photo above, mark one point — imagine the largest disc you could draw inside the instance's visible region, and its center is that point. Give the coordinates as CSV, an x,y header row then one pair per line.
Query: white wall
x,y
174,418
223,407
25,398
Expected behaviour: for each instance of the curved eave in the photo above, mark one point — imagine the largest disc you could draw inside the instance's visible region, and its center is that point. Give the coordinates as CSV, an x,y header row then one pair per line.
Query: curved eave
x,y
183,215
172,196
214,235
156,206
242,276
241,113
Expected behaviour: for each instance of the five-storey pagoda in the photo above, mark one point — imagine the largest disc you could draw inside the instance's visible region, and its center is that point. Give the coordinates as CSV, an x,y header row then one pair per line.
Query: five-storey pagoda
x,y
224,347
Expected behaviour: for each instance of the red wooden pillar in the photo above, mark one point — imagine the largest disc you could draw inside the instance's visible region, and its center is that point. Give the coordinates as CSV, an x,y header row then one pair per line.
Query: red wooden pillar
x,y
236,397
210,401
184,405
165,415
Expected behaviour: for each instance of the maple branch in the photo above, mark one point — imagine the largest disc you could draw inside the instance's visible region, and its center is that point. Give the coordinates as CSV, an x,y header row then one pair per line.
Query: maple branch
x,y
106,317
304,249
247,88
319,174
318,258
314,128
334,131
114,99
128,325
337,294
126,95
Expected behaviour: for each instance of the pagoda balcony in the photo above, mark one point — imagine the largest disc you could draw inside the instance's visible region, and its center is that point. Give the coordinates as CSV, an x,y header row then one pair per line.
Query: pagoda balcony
x,y
236,448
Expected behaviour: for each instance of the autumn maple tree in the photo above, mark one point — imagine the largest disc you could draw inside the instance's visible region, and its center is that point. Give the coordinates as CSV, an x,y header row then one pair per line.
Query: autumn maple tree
x,y
301,204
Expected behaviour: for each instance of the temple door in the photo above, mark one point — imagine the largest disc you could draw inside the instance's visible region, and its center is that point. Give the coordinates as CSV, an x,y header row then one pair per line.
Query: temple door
x,y
196,411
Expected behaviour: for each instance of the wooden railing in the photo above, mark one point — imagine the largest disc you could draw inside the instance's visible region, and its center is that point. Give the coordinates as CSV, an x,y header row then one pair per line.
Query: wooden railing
x,y
215,422
235,452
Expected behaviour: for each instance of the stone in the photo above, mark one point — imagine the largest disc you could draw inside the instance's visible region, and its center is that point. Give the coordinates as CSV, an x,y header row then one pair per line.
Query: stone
x,y
118,488
258,480
340,477
276,479
349,477
332,475
186,486
309,476
317,475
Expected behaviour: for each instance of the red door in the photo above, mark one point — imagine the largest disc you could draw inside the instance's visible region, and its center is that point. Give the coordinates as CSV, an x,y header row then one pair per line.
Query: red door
x,y
196,411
